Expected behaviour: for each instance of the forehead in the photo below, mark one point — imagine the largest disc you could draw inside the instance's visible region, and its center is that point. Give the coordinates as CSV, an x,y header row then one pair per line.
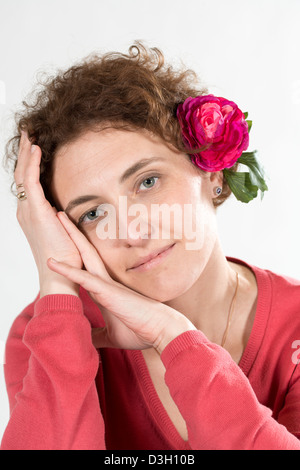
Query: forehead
x,y
107,149
97,160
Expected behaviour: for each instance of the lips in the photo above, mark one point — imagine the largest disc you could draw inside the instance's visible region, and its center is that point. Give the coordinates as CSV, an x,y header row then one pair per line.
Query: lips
x,y
151,256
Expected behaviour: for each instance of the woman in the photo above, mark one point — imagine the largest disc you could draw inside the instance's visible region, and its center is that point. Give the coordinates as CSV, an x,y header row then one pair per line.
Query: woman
x,y
143,335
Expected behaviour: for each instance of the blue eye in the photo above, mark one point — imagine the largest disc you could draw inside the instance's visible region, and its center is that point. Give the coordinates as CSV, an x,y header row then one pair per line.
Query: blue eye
x,y
149,182
91,215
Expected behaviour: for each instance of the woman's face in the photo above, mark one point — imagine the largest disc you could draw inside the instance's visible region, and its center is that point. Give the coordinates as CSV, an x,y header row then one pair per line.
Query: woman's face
x,y
92,170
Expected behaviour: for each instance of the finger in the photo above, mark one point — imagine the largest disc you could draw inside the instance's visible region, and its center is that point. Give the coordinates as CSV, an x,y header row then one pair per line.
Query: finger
x,y
27,173
25,145
87,280
88,252
131,308
32,166
114,297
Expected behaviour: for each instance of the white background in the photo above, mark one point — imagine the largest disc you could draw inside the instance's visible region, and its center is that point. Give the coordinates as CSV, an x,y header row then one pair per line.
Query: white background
x,y
245,50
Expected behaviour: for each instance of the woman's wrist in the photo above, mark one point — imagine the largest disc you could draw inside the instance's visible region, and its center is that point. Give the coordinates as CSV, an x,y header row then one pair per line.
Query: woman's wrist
x,y
174,327
57,284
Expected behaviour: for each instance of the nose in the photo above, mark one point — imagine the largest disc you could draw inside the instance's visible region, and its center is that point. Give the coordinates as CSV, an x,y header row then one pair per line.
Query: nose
x,y
136,226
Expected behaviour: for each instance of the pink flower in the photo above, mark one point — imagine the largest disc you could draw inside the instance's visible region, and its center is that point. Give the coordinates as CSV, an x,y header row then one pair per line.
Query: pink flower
x,y
217,126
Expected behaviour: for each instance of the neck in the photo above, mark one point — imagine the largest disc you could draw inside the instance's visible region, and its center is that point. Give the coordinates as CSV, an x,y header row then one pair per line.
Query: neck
x,y
207,303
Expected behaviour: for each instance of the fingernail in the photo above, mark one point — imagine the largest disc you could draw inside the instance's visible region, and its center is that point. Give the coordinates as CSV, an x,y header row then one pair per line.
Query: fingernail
x,y
33,147
52,260
64,215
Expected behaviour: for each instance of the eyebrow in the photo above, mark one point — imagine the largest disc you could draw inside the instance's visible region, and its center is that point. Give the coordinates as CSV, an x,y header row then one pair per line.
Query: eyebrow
x,y
129,172
137,166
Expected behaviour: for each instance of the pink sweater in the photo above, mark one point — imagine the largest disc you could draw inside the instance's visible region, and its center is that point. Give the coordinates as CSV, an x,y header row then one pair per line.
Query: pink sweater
x,y
64,394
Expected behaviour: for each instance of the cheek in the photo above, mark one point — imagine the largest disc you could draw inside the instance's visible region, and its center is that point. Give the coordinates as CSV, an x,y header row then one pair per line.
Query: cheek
x,y
108,254
198,226
172,280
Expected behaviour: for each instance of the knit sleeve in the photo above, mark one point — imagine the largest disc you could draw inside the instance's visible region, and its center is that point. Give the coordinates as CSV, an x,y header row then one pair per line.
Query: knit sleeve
x,y
217,401
289,416
50,373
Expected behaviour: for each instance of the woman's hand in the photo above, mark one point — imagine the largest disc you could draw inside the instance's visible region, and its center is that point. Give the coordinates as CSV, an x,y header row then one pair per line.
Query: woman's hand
x,y
133,321
37,218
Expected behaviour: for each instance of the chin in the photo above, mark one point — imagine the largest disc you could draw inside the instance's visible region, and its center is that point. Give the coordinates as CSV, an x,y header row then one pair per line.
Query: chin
x,y
164,287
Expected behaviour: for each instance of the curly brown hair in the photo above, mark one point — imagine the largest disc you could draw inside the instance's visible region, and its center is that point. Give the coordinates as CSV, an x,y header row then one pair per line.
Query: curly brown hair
x,y
129,91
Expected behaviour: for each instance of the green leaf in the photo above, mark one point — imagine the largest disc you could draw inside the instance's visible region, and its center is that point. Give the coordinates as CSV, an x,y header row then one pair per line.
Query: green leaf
x,y
246,115
241,185
249,125
245,185
256,172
